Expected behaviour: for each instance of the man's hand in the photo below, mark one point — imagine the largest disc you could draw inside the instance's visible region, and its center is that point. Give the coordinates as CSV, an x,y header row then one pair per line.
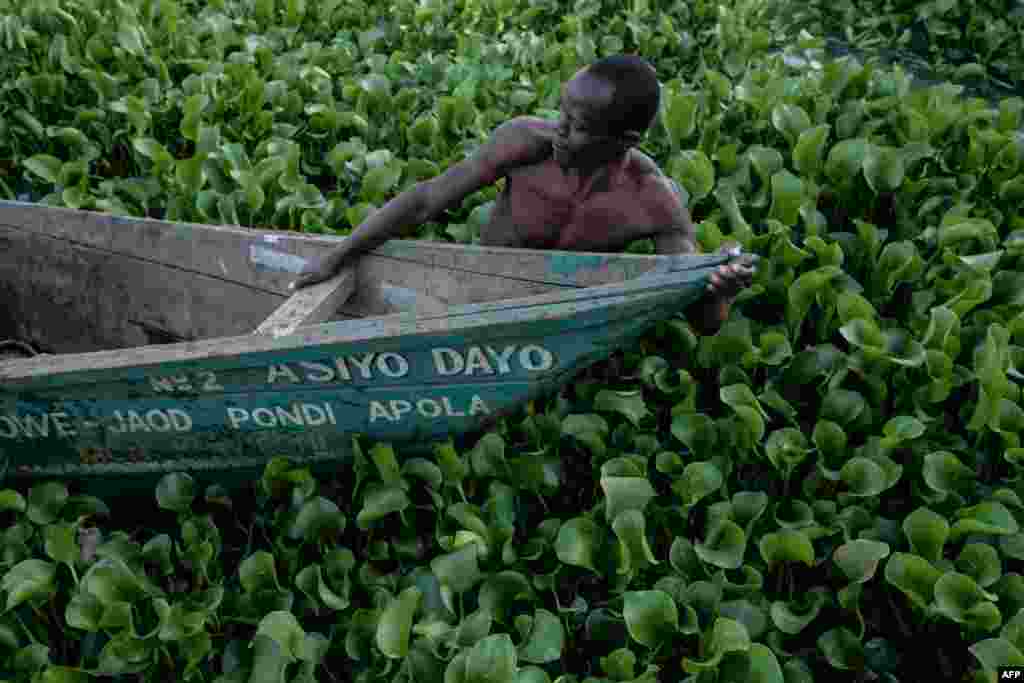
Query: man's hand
x,y
729,280
324,269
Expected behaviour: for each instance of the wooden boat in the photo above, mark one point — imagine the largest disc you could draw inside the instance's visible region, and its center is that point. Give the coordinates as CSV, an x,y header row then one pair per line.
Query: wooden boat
x,y
179,347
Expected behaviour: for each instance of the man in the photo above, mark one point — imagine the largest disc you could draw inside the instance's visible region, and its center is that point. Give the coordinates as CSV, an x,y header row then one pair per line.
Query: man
x,y
578,184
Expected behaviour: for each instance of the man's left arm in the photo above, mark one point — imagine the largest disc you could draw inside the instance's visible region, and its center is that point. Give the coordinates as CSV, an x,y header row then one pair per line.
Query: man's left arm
x,y
678,236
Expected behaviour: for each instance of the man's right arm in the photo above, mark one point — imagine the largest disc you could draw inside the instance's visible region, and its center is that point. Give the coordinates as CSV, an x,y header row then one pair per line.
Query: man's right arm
x,y
509,145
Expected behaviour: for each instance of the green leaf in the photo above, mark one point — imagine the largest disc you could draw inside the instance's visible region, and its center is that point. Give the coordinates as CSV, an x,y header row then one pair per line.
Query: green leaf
x,y
379,182
788,545
46,501
545,641
786,448
629,493
257,572
764,667
29,580
634,550
809,151
985,518
790,120
45,166
914,576
492,660
12,500
458,570
84,611
795,616
61,543
395,625
175,492
993,653
863,477
284,629
620,665
883,168
629,404
697,431
927,533
981,562
858,559
842,648
112,581
578,543
651,616
379,502
590,430
726,636
845,160
680,115
699,480
724,545
318,519
694,171
945,474
152,150
960,598
787,197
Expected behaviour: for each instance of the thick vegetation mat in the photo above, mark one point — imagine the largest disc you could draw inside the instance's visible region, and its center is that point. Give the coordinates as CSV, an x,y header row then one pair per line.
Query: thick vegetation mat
x,y
831,481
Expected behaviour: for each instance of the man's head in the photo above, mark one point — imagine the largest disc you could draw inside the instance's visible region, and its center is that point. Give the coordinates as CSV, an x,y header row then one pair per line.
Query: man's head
x,y
606,108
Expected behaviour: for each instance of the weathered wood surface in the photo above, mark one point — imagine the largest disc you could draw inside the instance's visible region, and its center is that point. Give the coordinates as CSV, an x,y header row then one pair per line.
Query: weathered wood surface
x,y
315,304
465,346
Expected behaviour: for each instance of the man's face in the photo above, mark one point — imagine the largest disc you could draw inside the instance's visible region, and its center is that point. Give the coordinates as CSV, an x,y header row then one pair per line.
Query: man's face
x,y
582,139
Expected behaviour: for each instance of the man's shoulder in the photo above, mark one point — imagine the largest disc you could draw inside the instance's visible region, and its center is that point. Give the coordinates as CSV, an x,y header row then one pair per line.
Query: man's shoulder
x,y
652,182
529,129
520,140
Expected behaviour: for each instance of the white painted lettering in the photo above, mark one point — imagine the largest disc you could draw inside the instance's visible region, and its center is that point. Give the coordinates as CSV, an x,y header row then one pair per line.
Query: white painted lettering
x,y
284,417
448,410
264,417
399,408
181,421
343,372
428,407
477,406
364,364
274,371
210,382
297,415
135,423
35,426
324,372
182,383
314,415
502,358
477,360
8,428
378,411
444,356
161,384
237,416
157,421
545,361
401,365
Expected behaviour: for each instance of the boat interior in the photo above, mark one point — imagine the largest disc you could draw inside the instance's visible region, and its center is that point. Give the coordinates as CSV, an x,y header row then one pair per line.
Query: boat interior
x,y
77,281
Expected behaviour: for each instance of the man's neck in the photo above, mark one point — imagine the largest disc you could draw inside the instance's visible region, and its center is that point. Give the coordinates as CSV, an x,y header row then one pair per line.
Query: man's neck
x,y
583,178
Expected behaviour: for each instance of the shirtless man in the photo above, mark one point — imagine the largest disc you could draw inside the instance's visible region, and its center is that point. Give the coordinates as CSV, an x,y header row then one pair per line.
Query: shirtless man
x,y
576,185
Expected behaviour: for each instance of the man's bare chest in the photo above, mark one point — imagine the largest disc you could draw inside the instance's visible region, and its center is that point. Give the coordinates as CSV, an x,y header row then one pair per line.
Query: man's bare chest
x,y
547,213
